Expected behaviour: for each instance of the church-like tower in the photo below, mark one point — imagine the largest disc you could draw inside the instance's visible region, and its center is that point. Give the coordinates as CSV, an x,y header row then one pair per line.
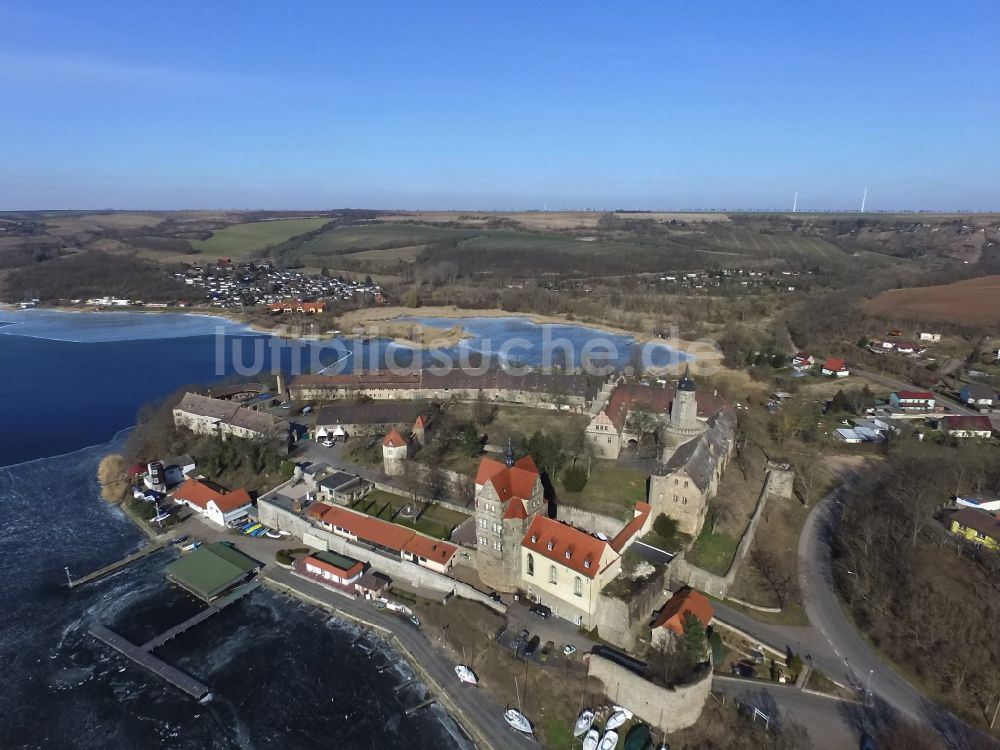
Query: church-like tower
x,y
683,424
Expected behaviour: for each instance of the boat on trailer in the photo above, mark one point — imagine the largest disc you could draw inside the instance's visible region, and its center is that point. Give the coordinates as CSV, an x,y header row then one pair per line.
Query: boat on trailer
x,y
518,720
583,723
610,741
592,740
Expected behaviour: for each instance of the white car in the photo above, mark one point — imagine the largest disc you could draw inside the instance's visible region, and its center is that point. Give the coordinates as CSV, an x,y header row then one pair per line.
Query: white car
x,y
327,443
569,649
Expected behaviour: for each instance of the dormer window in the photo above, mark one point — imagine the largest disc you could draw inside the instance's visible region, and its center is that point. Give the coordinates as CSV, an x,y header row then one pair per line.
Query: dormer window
x,y
534,538
549,546
568,554
586,563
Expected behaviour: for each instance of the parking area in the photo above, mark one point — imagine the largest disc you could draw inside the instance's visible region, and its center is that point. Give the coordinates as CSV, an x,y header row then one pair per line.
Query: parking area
x,y
560,633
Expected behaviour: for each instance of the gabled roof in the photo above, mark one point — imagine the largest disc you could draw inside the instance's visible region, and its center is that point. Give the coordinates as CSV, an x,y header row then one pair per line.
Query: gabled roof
x,y
700,457
978,520
199,493
915,395
834,364
656,400
430,549
338,565
394,440
622,538
515,509
553,540
685,600
979,391
976,423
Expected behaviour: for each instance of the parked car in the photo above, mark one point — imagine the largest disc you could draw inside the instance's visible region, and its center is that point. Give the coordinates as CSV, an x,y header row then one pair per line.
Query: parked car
x,y
494,595
742,669
541,610
519,640
546,651
569,649
414,621
532,646
327,443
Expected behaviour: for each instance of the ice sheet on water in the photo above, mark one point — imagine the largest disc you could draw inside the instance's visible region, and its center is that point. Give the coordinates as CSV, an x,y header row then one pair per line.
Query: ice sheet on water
x,y
87,327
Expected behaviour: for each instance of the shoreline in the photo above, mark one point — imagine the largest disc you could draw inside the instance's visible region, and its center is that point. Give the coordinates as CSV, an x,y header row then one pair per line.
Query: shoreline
x,y
364,322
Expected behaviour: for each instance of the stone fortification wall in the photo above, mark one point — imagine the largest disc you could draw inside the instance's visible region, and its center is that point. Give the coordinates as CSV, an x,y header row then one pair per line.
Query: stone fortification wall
x,y
284,520
664,709
621,621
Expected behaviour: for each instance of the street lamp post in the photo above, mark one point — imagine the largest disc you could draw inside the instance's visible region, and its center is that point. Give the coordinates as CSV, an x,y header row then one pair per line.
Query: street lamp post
x,y
868,690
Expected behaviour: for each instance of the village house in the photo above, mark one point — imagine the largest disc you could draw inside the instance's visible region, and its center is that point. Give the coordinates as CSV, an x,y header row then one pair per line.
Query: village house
x,y
977,526
934,337
990,503
668,623
912,401
979,396
803,361
962,426
213,503
835,367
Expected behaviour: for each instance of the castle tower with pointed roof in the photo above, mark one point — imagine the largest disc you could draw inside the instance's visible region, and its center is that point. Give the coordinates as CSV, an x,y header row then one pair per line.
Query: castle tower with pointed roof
x,y
683,425
508,495
394,451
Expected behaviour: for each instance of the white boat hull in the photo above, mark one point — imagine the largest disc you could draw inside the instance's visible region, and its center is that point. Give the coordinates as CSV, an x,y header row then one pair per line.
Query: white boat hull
x,y
518,720
583,723
466,675
610,741
616,720
592,740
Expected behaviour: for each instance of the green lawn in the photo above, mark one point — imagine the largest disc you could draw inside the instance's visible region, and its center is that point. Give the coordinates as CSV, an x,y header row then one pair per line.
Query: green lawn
x,y
341,240
713,552
240,240
611,490
435,521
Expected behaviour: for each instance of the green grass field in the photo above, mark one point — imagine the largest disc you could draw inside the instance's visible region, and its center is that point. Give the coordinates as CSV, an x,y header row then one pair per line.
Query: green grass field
x,y
435,521
353,239
611,490
713,552
240,240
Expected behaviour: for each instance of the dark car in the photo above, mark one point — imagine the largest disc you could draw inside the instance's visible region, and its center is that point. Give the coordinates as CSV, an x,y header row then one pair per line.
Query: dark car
x,y
541,610
742,669
519,640
495,596
532,646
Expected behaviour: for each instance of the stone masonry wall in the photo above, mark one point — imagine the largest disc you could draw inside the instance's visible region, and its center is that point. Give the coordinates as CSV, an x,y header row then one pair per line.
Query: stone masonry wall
x,y
664,709
620,622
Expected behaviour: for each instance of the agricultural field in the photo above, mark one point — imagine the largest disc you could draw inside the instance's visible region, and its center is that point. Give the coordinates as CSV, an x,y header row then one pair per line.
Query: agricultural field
x,y
351,239
240,240
968,301
790,247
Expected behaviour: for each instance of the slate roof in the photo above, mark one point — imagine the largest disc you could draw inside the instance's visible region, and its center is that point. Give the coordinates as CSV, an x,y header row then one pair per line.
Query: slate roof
x,y
203,406
978,520
979,391
368,412
700,457
655,400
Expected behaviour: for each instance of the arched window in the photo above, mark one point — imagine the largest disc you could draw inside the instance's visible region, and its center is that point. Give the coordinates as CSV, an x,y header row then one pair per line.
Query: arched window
x,y
553,576
578,586
531,564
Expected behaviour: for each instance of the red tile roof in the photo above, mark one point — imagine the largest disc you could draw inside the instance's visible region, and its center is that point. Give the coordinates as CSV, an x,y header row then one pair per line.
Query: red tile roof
x,y
515,509
430,549
585,551
394,439
517,481
915,395
642,511
337,571
382,533
963,422
834,365
686,600
198,493
420,421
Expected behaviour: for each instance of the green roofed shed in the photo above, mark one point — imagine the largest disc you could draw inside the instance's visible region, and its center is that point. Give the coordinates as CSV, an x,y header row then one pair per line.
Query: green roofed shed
x,y
339,561
210,571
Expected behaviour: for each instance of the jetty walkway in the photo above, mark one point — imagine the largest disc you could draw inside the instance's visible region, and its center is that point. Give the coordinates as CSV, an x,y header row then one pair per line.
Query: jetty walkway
x,y
118,564
142,655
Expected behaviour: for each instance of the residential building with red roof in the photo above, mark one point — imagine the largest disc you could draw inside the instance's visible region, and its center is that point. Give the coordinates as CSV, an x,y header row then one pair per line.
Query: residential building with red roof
x,y
912,401
835,367
962,426
670,619
508,494
566,569
332,567
803,361
212,502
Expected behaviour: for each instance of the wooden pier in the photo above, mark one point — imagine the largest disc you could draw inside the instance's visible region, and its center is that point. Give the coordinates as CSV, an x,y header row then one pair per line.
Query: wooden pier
x,y
157,666
118,564
142,655
423,704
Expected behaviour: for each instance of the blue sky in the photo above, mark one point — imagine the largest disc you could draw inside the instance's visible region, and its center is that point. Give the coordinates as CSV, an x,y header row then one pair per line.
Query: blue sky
x,y
474,105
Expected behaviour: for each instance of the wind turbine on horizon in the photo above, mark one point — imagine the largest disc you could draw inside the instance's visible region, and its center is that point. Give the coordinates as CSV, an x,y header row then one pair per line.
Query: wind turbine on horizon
x,y
864,198
795,202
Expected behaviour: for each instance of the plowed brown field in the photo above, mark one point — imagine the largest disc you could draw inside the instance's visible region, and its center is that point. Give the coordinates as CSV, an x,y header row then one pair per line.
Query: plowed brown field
x,y
969,301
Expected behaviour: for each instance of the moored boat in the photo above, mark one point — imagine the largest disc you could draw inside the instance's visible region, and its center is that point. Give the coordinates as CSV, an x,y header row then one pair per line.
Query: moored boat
x,y
619,717
466,675
610,741
583,722
518,720
639,738
592,739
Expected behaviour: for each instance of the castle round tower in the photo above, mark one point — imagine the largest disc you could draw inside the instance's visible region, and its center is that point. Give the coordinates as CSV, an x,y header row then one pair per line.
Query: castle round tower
x,y
394,451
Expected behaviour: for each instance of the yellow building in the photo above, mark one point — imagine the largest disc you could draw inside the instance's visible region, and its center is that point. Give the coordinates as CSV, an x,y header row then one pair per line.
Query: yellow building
x,y
977,526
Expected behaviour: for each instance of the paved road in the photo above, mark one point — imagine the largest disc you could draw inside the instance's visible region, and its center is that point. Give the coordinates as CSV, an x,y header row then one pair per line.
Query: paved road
x,y
475,707
824,718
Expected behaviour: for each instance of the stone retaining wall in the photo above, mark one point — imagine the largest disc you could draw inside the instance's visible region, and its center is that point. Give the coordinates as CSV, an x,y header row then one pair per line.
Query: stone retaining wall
x,y
664,709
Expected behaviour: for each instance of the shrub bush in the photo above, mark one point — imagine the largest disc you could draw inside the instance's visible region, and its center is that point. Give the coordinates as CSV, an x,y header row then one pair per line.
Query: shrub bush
x,y
574,478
